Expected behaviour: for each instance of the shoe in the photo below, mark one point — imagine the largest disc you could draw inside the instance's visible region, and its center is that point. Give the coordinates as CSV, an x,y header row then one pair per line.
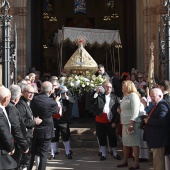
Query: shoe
x,y
143,160
51,157
102,158
99,154
56,153
71,152
122,165
117,157
69,156
110,152
133,168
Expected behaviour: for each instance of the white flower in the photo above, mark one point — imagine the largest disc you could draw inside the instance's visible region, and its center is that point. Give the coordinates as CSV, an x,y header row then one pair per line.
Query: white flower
x,y
72,84
87,83
77,83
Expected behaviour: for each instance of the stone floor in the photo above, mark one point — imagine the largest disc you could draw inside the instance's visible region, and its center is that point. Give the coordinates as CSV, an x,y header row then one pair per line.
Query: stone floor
x,y
87,159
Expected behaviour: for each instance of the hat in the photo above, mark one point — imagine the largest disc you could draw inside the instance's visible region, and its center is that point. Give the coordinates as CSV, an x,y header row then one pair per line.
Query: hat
x,y
165,84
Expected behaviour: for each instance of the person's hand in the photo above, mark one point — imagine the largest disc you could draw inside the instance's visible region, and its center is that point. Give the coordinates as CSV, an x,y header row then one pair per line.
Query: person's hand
x,y
147,91
12,152
145,120
97,90
113,125
119,110
37,120
143,102
26,151
58,98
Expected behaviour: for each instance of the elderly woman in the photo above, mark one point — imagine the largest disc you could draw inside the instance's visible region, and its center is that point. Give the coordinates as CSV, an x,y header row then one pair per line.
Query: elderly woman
x,y
130,121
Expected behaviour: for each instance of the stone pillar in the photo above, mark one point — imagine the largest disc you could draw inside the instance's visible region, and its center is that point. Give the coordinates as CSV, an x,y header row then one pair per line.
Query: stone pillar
x,y
153,9
19,12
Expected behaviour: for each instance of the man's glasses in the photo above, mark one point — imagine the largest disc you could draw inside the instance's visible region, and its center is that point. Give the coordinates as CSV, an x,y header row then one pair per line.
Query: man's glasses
x,y
140,77
29,92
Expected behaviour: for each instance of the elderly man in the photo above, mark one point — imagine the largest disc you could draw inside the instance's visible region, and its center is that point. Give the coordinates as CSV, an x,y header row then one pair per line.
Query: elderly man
x,y
155,131
107,118
43,107
18,128
26,113
6,139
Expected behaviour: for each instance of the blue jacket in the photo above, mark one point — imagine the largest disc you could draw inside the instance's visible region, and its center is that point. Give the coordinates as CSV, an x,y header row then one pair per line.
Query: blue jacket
x,y
156,129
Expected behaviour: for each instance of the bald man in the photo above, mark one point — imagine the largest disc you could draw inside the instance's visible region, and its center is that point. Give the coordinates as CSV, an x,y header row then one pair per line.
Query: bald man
x,y
43,107
6,139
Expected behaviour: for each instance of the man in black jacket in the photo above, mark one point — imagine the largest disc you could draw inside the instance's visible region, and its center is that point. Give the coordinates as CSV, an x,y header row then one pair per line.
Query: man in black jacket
x,y
43,107
107,118
23,107
6,139
18,128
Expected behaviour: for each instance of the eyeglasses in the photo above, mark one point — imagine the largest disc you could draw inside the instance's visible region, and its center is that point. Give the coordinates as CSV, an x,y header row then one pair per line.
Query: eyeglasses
x,y
140,77
152,97
109,87
29,92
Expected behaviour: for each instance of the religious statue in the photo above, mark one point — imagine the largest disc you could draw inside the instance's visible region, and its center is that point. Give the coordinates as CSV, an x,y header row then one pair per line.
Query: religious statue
x,y
81,62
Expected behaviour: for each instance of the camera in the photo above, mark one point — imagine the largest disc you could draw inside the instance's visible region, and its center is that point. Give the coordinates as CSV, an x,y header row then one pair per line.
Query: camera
x,y
142,123
56,93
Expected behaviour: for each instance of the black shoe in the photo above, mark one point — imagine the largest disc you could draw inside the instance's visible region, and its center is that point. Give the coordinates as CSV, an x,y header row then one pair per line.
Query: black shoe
x,y
99,154
143,160
102,158
117,157
110,152
71,152
56,153
69,156
51,157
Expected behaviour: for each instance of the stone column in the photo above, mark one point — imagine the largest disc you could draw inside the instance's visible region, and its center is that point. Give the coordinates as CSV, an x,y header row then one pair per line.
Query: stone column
x,y
19,12
153,9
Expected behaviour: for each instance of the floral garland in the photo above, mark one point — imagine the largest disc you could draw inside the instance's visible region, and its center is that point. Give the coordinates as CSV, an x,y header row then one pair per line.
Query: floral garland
x,y
78,84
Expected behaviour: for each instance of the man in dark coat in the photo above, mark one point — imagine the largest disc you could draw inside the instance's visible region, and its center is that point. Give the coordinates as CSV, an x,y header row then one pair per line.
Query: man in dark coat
x,y
30,122
6,139
101,71
156,128
43,107
18,128
107,119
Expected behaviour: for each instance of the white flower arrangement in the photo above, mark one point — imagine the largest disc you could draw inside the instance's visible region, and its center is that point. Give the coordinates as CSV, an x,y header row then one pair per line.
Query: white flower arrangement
x,y
77,84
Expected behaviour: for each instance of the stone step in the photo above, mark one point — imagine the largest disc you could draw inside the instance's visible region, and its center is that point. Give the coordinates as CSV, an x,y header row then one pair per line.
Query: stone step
x,y
83,131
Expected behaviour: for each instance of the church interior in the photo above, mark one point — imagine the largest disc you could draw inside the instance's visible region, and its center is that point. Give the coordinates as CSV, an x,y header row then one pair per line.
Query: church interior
x,y
53,15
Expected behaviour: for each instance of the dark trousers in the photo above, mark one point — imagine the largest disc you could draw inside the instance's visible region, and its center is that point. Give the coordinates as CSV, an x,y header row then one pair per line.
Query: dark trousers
x,y
17,156
102,131
61,128
25,158
42,145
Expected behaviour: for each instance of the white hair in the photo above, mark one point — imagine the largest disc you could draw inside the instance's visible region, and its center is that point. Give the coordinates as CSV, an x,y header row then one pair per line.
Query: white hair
x,y
15,91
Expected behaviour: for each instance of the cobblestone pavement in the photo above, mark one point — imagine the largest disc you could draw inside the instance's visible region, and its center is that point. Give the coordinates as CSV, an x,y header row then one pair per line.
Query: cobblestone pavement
x,y
87,159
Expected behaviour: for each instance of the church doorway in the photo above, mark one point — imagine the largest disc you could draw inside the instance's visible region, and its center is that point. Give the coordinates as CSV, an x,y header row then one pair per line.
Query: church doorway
x,y
48,16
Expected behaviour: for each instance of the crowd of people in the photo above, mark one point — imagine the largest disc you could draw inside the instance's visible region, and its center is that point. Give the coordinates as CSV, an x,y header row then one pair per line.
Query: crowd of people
x,y
35,112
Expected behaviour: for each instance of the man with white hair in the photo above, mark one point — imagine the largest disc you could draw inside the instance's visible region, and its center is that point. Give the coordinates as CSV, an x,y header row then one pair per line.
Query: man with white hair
x,y
6,139
27,116
155,131
43,107
18,128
